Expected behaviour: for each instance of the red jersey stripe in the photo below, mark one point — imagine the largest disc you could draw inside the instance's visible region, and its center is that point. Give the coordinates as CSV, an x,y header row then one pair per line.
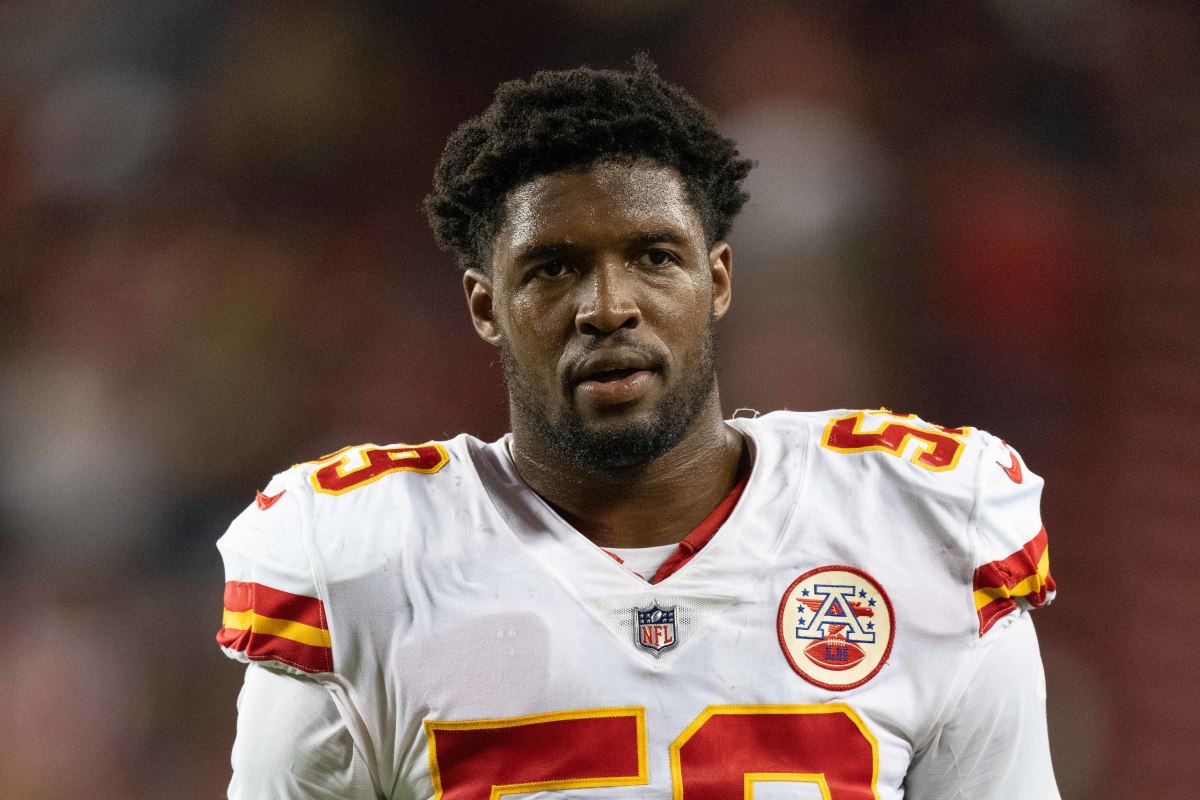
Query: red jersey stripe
x,y
268,602
1025,573
702,534
265,647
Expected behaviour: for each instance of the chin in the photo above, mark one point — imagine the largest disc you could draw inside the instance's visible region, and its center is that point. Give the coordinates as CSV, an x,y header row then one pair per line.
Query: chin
x,y
640,414
617,440
627,427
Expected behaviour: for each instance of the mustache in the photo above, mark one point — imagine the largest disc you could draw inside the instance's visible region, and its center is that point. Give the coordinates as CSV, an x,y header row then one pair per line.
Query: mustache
x,y
623,342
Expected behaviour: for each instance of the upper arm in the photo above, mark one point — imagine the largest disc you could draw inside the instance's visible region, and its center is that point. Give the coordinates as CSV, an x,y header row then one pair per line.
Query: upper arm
x,y
1011,549
994,743
294,739
292,743
274,609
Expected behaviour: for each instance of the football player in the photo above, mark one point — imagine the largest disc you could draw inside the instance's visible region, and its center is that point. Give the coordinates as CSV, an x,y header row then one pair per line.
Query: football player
x,y
629,595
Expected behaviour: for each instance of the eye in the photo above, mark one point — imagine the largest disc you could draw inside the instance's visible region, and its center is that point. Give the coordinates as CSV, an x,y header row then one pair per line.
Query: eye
x,y
657,257
551,269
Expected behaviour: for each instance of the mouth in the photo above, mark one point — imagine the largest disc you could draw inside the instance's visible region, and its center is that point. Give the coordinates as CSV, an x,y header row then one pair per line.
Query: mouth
x,y
615,386
612,375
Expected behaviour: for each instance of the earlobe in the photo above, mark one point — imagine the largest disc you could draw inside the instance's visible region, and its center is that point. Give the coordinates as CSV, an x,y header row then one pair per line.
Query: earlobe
x,y
478,288
720,261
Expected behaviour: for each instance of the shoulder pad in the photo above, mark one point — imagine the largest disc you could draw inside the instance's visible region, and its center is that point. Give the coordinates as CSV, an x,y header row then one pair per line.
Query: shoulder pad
x,y
1007,541
283,551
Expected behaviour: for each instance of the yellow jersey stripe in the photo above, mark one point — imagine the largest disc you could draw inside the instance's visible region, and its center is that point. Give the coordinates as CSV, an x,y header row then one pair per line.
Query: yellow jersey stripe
x,y
285,628
1030,585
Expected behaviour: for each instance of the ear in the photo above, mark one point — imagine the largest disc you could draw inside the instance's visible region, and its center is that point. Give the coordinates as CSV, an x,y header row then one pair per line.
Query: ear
x,y
720,265
478,288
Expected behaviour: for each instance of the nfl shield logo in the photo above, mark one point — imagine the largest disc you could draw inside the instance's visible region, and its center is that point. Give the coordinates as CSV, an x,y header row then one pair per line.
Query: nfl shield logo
x,y
654,628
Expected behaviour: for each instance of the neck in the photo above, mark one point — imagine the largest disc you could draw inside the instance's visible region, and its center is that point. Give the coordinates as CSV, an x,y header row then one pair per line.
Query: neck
x,y
641,506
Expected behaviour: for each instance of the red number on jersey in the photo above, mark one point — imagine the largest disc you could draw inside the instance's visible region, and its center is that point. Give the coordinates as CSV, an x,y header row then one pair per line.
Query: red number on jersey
x,y
938,449
728,749
488,758
352,467
722,754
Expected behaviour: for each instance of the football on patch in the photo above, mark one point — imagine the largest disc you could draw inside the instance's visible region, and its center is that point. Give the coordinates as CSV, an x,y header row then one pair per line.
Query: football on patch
x,y
834,652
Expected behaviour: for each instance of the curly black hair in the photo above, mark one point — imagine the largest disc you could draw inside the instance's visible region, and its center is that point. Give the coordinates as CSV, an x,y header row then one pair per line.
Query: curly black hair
x,y
570,120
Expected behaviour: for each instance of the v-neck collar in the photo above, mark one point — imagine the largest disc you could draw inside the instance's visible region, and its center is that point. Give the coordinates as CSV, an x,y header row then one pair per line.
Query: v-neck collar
x,y
740,548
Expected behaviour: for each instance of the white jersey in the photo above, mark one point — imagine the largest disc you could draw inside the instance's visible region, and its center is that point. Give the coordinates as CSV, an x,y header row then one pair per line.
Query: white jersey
x,y
475,645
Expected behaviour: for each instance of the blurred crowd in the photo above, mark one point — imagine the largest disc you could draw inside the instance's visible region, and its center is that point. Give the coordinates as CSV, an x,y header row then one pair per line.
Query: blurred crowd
x,y
213,264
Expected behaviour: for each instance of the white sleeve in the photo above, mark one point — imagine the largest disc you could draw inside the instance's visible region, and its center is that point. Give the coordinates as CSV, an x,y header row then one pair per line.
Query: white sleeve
x,y
994,743
291,743
1012,552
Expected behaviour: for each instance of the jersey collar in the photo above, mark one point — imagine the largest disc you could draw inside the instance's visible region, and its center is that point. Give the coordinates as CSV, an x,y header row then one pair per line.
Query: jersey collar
x,y
727,555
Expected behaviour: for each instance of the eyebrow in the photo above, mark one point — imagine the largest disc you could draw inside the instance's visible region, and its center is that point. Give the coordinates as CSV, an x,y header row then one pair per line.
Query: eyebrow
x,y
544,250
537,252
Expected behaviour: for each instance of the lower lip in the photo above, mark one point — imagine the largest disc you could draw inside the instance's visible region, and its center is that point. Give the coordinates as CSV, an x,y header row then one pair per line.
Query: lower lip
x,y
622,390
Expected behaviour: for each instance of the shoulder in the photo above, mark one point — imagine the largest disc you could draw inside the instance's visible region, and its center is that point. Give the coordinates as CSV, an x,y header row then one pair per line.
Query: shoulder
x,y
358,467
964,485
317,524
892,447
877,444
356,483
906,438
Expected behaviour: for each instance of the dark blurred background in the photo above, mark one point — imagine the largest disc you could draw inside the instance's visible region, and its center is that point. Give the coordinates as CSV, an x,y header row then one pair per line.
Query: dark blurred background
x,y
213,264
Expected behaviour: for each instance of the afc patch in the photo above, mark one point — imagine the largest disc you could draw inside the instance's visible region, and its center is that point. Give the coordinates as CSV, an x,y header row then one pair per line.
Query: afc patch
x,y
836,627
654,629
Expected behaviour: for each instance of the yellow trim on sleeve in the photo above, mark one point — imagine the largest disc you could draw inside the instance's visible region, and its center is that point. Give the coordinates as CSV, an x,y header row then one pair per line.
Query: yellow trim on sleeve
x,y
1031,585
285,628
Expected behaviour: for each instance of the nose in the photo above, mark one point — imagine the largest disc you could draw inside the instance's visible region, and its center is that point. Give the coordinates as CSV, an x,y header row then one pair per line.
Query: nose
x,y
608,300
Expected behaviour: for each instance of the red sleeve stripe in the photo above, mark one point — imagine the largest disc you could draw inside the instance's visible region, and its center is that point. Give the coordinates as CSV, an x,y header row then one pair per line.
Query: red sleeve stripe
x,y
265,647
269,624
268,602
1025,573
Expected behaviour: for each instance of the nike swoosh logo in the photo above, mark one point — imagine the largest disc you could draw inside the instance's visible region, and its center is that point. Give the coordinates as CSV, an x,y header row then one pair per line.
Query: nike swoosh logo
x,y
1014,471
265,501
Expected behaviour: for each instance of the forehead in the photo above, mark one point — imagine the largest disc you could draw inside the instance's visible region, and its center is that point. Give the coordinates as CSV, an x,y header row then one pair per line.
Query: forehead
x,y
607,201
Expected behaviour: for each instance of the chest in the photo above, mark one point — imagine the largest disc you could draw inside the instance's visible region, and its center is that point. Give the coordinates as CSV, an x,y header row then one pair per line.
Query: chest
x,y
501,672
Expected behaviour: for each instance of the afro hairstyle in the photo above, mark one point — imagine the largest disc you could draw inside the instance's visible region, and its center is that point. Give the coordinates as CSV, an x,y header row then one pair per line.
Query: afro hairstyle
x,y
569,120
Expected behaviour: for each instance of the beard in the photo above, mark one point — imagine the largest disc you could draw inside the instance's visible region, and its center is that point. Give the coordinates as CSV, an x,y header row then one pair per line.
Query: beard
x,y
627,445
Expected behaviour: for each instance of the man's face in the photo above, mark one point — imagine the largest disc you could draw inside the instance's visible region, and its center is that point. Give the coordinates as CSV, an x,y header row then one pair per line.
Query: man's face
x,y
602,299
